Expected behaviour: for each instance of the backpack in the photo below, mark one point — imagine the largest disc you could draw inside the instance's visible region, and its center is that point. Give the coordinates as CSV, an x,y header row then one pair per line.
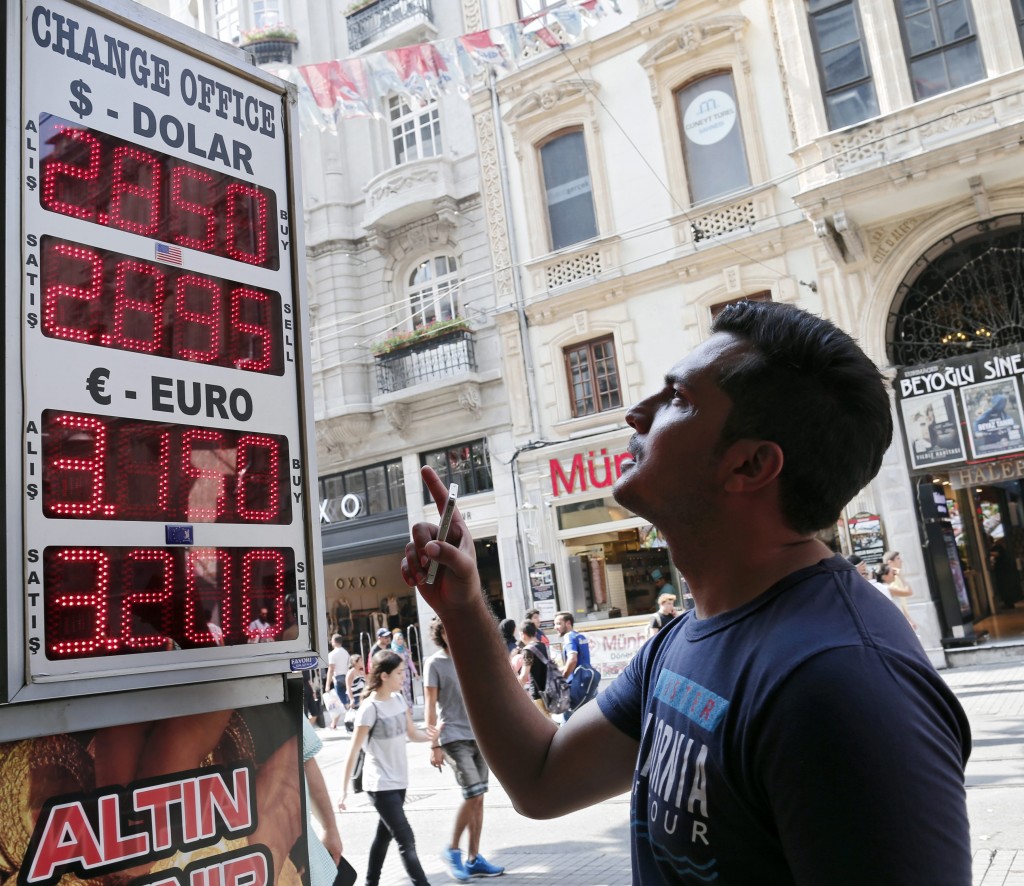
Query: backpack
x,y
555,693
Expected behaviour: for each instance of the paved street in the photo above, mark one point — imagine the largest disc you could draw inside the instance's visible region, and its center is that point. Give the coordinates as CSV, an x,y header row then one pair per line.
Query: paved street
x,y
590,848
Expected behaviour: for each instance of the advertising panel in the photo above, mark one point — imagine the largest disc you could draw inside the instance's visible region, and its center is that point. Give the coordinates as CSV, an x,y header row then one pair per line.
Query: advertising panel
x,y
200,799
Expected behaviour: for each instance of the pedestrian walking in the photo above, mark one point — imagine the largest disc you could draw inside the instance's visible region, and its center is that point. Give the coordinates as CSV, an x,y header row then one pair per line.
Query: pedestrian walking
x,y
583,679
383,724
456,746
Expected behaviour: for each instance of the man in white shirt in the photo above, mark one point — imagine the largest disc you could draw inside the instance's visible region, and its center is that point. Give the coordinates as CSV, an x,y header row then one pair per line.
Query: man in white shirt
x,y
337,667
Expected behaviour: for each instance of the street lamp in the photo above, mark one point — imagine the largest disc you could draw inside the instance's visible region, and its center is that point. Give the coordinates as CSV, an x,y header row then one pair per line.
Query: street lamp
x,y
528,520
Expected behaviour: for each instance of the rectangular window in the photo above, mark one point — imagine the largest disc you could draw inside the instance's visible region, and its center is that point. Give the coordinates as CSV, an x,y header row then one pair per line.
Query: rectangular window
x,y
1018,15
941,45
568,190
468,464
226,20
842,62
364,492
266,12
713,148
415,135
593,377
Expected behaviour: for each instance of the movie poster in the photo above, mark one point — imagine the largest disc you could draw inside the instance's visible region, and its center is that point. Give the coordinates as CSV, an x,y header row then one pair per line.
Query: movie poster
x,y
193,800
933,430
993,414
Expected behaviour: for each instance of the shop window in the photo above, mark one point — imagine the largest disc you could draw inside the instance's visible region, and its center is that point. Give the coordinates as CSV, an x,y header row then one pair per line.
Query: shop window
x,y
755,296
433,290
713,149
593,376
415,134
843,66
378,489
568,189
468,464
941,45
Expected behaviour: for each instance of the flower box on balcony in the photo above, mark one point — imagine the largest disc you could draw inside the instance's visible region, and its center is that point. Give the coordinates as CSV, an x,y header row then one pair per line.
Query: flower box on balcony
x,y
271,43
442,354
403,340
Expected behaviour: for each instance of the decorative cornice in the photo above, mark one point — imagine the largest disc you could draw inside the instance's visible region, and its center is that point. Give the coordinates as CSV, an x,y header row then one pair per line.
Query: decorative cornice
x,y
545,98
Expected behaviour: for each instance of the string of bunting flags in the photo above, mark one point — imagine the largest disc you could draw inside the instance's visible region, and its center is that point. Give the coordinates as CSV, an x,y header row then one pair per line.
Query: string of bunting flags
x,y
358,86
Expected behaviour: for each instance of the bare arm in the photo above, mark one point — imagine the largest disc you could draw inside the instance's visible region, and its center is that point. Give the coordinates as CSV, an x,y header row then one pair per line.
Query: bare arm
x,y
587,752
570,664
321,802
414,733
330,676
430,713
358,740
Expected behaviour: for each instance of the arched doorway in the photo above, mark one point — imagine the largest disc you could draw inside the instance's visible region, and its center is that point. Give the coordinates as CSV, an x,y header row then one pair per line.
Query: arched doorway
x,y
965,296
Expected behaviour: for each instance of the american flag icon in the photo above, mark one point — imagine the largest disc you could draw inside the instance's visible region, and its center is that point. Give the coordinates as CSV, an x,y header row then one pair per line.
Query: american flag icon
x,y
167,253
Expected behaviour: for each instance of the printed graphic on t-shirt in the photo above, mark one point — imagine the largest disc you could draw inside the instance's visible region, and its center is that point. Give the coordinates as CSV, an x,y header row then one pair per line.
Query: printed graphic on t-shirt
x,y
676,821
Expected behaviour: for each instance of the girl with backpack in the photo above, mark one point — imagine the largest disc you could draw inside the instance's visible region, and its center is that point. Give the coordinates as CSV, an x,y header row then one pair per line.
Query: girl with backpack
x,y
383,724
535,665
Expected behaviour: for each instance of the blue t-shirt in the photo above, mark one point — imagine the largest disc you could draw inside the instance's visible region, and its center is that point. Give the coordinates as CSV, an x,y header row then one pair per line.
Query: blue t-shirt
x,y
580,644
801,738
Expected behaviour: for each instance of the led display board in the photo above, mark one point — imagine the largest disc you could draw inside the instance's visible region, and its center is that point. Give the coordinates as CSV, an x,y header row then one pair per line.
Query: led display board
x,y
155,363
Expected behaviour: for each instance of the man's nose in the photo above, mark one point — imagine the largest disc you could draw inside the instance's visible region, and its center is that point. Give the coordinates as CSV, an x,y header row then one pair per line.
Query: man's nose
x,y
638,416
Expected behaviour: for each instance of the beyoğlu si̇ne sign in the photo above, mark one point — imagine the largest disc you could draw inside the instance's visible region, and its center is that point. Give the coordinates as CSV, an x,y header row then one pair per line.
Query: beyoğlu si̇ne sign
x,y
962,410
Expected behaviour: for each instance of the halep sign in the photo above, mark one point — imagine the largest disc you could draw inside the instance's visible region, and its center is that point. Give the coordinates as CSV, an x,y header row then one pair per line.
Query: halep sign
x,y
167,523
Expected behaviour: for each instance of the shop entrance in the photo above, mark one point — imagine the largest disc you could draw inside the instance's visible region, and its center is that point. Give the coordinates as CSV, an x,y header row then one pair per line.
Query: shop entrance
x,y
988,525
487,565
615,572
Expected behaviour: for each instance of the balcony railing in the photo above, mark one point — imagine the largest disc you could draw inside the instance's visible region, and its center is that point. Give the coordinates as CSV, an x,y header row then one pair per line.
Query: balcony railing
x,y
445,356
367,24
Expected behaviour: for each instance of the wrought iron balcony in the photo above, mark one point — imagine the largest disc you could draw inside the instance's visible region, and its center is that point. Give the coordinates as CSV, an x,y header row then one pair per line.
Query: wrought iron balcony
x,y
372,22
269,51
448,355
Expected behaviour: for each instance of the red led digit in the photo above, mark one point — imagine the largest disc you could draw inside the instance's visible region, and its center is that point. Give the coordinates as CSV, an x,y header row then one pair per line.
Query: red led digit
x,y
208,466
145,615
185,181
69,311
135,191
71,143
258,490
246,213
207,596
197,328
77,593
263,587
138,298
143,479
74,472
251,338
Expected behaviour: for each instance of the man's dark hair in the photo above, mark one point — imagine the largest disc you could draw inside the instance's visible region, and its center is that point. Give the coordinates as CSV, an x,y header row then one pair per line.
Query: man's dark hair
x,y
808,387
437,633
855,559
566,616
530,613
337,639
528,629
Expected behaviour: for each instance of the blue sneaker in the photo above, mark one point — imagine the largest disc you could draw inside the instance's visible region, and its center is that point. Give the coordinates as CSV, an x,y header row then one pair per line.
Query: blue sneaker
x,y
481,867
456,866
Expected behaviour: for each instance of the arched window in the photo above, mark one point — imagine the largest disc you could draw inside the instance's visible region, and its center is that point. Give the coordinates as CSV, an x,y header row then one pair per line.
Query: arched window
x,y
568,189
964,295
433,291
713,149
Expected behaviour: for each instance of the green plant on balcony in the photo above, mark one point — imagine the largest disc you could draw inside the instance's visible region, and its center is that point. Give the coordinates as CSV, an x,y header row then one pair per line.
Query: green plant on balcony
x,y
402,340
353,8
270,32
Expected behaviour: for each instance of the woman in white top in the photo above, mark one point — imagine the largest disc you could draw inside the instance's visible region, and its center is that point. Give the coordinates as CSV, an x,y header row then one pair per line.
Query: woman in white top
x,y
383,724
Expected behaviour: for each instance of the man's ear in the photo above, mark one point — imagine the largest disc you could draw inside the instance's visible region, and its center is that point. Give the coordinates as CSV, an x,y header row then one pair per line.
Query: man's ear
x,y
751,465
